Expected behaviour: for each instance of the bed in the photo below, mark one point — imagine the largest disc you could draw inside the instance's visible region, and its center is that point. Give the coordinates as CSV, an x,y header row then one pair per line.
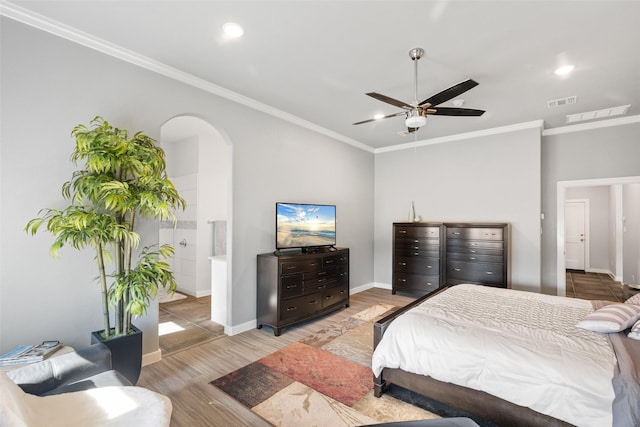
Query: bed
x,y
512,357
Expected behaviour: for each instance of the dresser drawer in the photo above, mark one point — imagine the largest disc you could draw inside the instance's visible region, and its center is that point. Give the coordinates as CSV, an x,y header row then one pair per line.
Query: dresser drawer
x,y
301,306
318,274
417,244
335,295
291,286
455,245
475,272
417,232
474,233
473,250
299,266
424,266
343,274
317,285
415,282
417,253
475,257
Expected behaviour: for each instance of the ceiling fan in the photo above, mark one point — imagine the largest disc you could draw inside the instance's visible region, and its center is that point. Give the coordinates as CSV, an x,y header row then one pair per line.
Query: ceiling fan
x,y
416,113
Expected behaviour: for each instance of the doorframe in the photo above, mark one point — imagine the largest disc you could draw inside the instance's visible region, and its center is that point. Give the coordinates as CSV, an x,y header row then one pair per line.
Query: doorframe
x,y
587,232
561,193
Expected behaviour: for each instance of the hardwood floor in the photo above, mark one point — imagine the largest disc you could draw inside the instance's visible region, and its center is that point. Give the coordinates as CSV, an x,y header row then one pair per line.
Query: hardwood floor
x,y
185,323
184,374
593,286
203,353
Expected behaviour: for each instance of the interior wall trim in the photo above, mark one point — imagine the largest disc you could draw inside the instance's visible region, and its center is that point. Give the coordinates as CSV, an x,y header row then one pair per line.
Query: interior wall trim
x,y
56,28
469,135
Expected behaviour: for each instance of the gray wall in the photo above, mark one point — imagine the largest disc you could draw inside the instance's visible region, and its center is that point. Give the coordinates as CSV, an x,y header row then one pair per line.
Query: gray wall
x,y
49,85
590,154
492,178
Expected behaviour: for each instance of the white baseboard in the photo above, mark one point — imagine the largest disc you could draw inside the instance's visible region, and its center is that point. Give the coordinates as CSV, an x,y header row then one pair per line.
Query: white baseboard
x,y
604,271
369,286
238,329
153,357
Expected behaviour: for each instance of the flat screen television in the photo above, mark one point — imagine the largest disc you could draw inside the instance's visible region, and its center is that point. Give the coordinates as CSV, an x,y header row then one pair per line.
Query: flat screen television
x,y
305,226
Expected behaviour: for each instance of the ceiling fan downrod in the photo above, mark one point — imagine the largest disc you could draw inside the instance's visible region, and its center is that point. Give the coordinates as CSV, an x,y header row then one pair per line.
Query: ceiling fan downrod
x,y
415,54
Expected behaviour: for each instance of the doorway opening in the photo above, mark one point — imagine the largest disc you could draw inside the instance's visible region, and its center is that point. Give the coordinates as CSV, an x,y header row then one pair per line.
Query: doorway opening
x,y
622,230
198,159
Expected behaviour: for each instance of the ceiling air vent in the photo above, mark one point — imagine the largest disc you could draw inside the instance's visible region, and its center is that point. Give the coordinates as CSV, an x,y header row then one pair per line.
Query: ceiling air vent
x,y
562,101
598,114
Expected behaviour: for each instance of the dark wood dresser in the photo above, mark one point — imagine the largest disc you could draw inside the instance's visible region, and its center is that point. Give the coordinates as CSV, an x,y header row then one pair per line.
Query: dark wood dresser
x,y
429,255
477,253
296,287
417,260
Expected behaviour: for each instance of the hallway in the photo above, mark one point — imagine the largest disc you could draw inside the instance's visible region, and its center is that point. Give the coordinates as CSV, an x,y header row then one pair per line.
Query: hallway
x,y
593,286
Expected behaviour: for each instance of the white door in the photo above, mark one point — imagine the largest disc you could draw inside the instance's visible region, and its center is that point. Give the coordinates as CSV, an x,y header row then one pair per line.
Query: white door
x,y
574,234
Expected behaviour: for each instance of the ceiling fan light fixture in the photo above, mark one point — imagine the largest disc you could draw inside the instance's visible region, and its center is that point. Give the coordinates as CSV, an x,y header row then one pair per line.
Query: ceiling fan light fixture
x,y
415,120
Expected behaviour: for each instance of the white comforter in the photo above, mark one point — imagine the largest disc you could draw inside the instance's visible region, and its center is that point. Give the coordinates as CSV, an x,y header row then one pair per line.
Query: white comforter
x,y
519,346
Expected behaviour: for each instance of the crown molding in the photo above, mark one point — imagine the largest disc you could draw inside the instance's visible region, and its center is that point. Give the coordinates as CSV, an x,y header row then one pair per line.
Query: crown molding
x,y
461,136
56,28
592,125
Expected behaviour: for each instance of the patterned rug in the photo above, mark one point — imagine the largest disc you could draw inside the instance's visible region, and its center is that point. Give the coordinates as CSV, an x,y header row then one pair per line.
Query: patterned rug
x,y
322,380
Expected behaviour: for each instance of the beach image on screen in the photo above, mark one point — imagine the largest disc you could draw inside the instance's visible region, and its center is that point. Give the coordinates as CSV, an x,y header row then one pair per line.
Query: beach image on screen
x,y
305,225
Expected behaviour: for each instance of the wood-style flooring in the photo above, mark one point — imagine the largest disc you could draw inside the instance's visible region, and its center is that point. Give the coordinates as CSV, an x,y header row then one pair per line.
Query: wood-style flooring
x,y
202,352
593,286
185,323
184,374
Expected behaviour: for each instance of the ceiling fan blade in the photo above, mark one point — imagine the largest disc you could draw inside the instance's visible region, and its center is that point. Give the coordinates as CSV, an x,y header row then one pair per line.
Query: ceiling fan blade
x,y
446,111
388,100
450,93
381,118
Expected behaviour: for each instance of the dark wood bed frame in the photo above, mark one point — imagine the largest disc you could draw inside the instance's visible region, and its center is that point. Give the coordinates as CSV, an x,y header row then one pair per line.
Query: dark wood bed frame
x,y
479,403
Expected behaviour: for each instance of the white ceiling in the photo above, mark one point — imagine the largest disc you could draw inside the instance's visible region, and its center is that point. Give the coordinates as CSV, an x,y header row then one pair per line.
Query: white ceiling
x,y
316,59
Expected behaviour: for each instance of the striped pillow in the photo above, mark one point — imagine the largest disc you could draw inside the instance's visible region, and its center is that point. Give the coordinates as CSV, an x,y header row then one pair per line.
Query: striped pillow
x,y
634,299
611,318
635,331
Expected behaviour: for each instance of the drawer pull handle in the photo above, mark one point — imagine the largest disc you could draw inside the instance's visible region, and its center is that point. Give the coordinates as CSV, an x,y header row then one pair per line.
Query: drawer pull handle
x,y
293,267
489,272
402,263
291,286
322,286
328,297
456,233
416,241
342,292
313,302
429,266
402,280
402,231
456,269
472,257
473,244
330,261
415,253
324,279
416,247
322,273
292,308
473,252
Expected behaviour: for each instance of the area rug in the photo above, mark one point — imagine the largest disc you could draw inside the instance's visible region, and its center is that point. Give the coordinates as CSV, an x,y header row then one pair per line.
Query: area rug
x,y
322,380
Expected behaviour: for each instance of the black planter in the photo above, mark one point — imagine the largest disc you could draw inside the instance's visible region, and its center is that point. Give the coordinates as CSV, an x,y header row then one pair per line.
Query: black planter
x,y
126,352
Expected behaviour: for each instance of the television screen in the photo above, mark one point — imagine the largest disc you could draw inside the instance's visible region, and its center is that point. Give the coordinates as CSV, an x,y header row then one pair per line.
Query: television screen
x,y
301,225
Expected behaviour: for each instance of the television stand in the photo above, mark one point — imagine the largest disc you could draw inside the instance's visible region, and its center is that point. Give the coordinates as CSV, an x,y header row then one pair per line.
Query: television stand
x,y
295,287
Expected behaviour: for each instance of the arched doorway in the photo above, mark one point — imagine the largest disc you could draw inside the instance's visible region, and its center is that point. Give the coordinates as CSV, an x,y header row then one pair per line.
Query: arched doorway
x,y
198,160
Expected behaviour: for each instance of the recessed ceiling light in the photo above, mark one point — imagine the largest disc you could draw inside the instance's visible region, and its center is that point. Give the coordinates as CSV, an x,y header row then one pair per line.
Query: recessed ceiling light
x,y
232,30
564,70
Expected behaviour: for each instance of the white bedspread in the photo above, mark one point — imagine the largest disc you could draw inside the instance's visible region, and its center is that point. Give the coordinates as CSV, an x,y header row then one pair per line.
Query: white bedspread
x,y
519,346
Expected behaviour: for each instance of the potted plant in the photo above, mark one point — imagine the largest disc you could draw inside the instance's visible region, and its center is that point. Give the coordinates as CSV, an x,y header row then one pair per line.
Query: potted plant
x,y
121,178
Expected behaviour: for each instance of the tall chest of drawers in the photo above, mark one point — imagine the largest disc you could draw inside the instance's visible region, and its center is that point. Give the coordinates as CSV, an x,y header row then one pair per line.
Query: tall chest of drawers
x,y
477,253
297,287
417,260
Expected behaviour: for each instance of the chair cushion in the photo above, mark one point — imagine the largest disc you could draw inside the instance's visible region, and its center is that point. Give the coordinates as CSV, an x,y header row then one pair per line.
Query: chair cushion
x,y
104,379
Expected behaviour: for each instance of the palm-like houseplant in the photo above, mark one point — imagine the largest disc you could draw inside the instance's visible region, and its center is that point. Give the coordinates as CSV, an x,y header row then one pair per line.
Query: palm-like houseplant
x,y
122,178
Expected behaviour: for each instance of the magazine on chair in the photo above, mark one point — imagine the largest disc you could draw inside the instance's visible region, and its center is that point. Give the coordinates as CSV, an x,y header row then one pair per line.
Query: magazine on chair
x,y
29,353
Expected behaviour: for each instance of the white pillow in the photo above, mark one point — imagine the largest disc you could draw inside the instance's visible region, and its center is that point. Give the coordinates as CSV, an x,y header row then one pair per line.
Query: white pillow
x,y
634,299
611,318
635,331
